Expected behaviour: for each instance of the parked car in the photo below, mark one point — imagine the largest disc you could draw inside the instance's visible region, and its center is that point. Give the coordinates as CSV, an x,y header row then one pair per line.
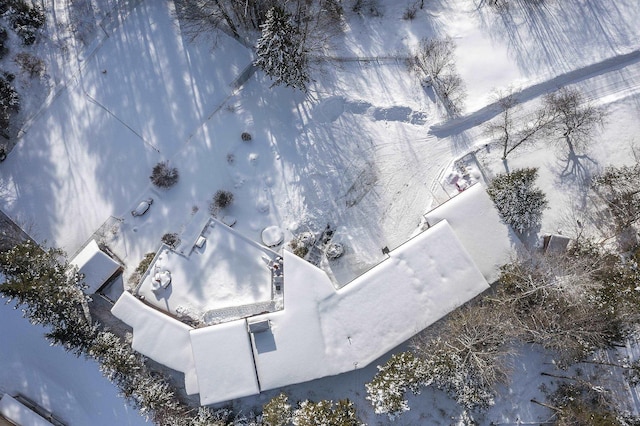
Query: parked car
x,y
142,207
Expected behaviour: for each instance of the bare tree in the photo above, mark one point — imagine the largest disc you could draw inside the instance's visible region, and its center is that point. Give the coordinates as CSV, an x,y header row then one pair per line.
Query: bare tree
x,y
573,117
562,301
512,131
240,18
435,60
619,188
468,356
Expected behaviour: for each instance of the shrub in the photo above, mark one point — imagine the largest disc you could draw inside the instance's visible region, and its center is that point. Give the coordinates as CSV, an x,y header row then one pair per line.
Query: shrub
x,y
164,176
221,199
334,251
246,137
300,251
3,37
410,13
301,244
520,203
141,268
171,239
9,101
30,63
277,412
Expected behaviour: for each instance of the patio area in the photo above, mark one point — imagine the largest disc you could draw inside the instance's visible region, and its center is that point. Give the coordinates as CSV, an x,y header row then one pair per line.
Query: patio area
x,y
219,271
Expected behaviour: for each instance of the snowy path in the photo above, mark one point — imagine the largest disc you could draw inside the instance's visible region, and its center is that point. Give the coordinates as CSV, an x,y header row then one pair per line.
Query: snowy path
x,y
591,72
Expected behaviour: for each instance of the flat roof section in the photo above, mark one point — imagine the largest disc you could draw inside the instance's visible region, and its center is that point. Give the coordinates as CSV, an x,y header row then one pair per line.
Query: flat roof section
x,y
224,362
159,337
479,227
12,410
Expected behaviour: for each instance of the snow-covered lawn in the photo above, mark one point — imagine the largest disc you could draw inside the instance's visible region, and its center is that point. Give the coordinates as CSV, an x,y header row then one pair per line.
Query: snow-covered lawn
x,y
72,389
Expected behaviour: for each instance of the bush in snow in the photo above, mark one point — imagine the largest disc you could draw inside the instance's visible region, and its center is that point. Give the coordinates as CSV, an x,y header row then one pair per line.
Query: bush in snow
x,y
141,268
221,199
163,175
9,102
334,251
30,63
246,136
171,239
302,243
324,413
277,412
280,51
520,203
580,402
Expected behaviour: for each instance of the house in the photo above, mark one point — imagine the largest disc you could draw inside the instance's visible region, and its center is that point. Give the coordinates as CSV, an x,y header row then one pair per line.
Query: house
x,y
324,331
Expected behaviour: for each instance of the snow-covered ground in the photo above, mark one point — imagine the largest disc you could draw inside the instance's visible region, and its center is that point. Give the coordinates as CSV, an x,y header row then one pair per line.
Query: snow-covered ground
x,y
365,150
71,388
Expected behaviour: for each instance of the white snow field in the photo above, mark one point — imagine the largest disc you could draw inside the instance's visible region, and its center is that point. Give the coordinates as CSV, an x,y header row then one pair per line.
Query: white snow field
x,y
366,150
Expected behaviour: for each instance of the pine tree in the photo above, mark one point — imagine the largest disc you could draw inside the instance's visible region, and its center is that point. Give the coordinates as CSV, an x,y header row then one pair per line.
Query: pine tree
x,y
49,292
520,203
401,373
281,51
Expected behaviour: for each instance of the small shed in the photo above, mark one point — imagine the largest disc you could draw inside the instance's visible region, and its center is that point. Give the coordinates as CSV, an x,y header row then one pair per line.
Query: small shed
x,y
98,268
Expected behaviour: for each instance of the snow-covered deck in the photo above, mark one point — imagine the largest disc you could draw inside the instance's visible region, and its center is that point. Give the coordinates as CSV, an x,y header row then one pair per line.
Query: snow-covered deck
x,y
228,270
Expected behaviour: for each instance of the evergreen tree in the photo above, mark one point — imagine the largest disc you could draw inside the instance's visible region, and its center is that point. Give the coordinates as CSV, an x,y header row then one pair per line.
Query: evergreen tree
x,y
402,372
49,292
520,203
281,51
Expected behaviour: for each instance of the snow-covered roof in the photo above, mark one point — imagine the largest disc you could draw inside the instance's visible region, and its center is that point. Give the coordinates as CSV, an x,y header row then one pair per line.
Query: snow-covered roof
x,y
18,414
478,226
325,332
158,336
95,265
224,362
